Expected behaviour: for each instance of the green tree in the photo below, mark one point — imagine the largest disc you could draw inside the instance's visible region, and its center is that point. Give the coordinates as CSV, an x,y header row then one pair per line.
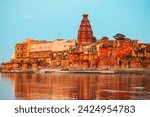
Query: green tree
x,y
119,36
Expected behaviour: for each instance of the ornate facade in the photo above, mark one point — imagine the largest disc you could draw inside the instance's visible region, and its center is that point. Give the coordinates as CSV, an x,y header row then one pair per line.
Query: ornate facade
x,y
85,33
89,53
34,54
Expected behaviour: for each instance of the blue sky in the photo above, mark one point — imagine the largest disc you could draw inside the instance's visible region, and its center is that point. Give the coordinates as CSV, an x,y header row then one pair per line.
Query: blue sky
x,y
46,19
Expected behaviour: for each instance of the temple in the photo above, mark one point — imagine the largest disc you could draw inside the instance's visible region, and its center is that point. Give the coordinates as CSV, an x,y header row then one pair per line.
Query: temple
x,y
85,53
85,33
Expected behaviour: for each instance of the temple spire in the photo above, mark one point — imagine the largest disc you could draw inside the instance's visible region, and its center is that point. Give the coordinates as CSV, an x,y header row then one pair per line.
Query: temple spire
x,y
85,33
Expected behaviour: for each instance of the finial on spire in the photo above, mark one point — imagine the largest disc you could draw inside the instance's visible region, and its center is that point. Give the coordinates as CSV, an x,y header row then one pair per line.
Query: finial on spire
x,y
85,15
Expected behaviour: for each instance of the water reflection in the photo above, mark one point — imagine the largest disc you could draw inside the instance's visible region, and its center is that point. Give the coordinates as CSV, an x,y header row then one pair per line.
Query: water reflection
x,y
79,86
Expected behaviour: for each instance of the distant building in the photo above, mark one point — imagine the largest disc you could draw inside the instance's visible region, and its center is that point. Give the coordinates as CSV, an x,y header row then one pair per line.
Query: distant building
x,y
55,46
88,53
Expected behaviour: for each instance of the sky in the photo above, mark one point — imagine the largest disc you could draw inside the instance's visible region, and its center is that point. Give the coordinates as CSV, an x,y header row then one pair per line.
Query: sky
x,y
52,19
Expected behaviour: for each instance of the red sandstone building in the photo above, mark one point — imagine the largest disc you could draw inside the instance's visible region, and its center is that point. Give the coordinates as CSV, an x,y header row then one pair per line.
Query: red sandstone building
x,y
88,53
85,33
104,53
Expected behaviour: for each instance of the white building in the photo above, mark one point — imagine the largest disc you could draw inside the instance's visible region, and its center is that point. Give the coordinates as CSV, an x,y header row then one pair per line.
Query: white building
x,y
56,45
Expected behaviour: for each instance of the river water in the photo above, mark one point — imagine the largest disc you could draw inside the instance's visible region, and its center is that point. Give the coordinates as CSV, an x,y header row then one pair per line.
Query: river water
x,y
61,86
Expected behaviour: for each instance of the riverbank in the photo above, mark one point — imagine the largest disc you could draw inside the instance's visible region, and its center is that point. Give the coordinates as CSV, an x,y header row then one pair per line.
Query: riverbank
x,y
96,71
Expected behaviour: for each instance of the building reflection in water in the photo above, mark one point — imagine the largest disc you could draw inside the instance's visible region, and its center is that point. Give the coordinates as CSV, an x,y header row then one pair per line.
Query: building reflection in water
x,y
80,86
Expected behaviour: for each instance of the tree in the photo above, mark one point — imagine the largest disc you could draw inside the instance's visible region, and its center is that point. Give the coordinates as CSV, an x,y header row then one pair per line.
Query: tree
x,y
119,36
